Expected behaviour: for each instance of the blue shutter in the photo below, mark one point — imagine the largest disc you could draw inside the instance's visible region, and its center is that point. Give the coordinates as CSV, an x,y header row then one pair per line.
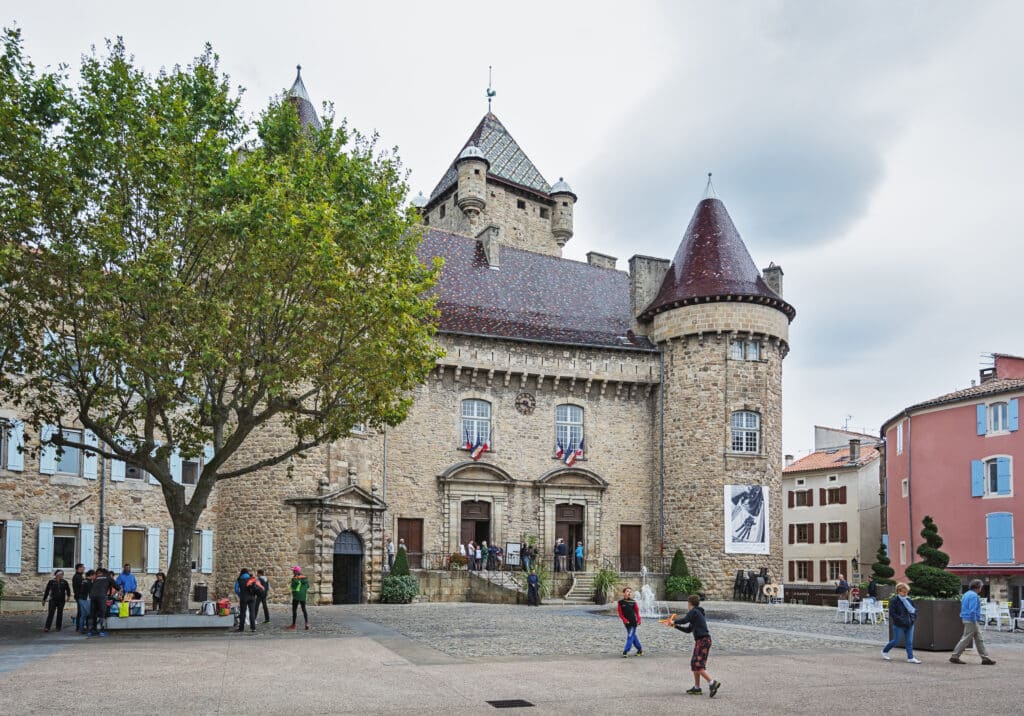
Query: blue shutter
x,y
87,536
1003,475
1000,537
982,418
15,444
977,478
206,553
48,455
114,535
89,458
12,547
1013,415
45,550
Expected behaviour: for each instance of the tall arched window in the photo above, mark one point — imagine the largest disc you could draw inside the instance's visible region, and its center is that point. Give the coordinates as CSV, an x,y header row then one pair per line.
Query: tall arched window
x,y
746,431
476,423
569,426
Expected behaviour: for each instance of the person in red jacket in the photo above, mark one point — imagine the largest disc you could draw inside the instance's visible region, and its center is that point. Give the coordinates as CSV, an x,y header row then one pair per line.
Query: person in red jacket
x,y
629,613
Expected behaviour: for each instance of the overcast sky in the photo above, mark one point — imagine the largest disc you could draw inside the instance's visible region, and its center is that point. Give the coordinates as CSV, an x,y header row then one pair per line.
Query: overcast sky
x,y
873,149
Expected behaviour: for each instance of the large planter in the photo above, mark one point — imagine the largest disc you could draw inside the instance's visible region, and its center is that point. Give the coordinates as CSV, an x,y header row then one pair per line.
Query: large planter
x,y
938,626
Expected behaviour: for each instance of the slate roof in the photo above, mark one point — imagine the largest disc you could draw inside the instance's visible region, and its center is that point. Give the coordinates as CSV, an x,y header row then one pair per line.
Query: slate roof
x,y
832,459
508,161
713,263
984,390
531,296
303,105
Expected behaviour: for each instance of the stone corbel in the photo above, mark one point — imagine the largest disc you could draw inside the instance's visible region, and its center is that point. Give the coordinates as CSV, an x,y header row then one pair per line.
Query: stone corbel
x,y
490,377
458,373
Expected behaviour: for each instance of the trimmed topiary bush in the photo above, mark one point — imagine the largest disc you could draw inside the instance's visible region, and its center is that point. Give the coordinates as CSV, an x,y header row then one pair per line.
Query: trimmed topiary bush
x,y
683,587
398,589
401,566
929,578
881,569
679,567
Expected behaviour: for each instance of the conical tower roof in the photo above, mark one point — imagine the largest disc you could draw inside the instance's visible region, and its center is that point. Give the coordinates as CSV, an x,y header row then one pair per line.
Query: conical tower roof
x,y
298,96
713,264
507,159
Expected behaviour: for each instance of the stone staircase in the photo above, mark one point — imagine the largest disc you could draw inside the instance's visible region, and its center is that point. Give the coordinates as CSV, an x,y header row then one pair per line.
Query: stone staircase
x,y
582,591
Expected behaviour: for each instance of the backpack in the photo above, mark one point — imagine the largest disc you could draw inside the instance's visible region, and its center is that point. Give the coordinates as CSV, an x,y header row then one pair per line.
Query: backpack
x,y
254,587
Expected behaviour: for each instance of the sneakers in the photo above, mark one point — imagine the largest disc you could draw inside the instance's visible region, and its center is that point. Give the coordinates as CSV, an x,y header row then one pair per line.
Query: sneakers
x,y
640,653
955,660
291,628
625,655
266,621
694,691
885,655
307,626
713,689
987,662
913,660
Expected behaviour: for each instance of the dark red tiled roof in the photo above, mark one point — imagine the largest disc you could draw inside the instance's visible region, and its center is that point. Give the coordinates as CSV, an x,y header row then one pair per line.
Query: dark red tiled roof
x,y
986,389
530,297
713,263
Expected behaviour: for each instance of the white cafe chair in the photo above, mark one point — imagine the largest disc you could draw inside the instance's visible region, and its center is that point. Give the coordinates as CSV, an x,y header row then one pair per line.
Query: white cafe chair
x,y
843,610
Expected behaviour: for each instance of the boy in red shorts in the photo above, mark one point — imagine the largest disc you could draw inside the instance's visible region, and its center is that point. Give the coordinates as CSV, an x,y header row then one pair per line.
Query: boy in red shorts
x,y
694,622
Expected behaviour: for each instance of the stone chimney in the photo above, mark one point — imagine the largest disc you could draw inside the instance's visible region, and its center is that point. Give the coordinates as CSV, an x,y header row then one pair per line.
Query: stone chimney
x,y
489,239
645,276
854,450
773,277
601,260
787,461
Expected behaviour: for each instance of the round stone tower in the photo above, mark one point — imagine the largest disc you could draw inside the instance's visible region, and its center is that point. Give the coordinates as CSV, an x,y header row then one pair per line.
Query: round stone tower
x,y
723,333
472,166
561,216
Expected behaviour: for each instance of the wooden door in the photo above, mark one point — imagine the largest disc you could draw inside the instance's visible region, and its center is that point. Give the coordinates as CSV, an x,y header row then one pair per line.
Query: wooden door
x,y
411,530
629,548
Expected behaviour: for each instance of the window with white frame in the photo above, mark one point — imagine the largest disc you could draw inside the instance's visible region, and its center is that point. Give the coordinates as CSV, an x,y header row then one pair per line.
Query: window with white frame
x,y
905,487
903,552
746,431
998,417
741,349
569,426
899,438
835,568
65,547
803,570
133,548
476,423
998,476
69,459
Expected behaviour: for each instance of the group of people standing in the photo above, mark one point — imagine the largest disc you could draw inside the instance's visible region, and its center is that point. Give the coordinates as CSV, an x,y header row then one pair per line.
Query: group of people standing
x,y
561,552
95,591
480,555
253,589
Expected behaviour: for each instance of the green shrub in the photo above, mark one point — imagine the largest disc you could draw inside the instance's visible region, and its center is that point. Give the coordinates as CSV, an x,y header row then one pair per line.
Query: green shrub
x,y
605,582
543,576
883,572
401,566
398,589
683,587
679,567
929,578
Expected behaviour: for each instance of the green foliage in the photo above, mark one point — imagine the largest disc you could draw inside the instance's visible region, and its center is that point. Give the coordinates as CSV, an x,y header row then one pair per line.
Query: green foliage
x,y
679,567
605,581
458,561
929,577
398,589
881,569
682,587
543,577
401,566
199,293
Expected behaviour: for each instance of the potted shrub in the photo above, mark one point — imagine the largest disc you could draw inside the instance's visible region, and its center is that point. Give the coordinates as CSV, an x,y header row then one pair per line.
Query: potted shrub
x,y
604,584
399,587
936,595
883,572
457,561
680,583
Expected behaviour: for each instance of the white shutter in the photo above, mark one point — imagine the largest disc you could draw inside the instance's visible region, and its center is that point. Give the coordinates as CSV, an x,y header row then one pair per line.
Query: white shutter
x,y
16,441
207,552
153,480
152,550
12,549
45,547
48,455
170,546
114,547
117,467
176,465
87,536
90,458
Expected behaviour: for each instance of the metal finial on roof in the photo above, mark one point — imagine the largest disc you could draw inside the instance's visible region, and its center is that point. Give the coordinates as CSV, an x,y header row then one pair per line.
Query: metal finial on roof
x,y
709,190
490,92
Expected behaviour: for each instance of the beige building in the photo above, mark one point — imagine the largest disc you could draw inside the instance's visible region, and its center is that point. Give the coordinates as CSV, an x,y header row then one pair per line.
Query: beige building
x,y
575,400
832,509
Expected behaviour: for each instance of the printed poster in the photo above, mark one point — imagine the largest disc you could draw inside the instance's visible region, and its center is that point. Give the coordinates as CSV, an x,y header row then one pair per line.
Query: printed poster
x,y
746,519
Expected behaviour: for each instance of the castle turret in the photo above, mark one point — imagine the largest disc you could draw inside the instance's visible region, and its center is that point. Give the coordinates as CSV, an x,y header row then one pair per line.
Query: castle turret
x,y
724,333
472,166
561,218
299,98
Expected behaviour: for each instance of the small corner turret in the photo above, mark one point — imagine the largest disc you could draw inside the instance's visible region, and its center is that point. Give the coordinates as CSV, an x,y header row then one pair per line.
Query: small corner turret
x,y
471,192
561,218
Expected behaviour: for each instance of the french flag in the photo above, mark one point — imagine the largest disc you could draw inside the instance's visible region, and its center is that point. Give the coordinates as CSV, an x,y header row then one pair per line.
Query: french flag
x,y
573,455
469,443
479,449
560,452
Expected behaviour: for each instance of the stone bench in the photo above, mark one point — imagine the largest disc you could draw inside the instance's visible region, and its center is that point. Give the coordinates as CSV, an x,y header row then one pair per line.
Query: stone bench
x,y
170,621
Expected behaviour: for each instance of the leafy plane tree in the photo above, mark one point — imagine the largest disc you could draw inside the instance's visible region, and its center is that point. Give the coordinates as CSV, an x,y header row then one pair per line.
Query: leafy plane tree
x,y
178,296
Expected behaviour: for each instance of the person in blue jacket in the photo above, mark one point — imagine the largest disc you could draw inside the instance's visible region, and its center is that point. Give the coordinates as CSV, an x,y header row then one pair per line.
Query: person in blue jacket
x,y
970,615
126,583
902,614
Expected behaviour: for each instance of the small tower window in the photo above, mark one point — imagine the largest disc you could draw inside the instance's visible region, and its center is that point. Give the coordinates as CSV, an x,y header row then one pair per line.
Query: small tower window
x,y
476,171
520,204
746,431
565,203
441,212
543,212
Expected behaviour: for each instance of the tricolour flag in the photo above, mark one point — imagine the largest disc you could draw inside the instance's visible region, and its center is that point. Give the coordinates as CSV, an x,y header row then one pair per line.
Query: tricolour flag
x,y
469,443
479,449
560,452
570,455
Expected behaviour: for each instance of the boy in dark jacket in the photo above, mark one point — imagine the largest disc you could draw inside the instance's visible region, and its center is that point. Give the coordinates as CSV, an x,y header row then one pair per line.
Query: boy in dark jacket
x,y
629,613
248,589
101,588
693,622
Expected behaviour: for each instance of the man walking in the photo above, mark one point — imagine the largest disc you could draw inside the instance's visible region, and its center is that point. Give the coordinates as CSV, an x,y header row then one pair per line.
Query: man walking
x,y
970,615
80,589
58,592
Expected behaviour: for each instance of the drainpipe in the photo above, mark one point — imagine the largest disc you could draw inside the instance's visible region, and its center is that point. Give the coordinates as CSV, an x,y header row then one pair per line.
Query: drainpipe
x,y
661,468
910,489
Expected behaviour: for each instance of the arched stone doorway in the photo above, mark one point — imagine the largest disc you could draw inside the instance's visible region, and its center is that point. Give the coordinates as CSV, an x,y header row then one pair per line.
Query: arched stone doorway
x,y
476,521
348,569
569,527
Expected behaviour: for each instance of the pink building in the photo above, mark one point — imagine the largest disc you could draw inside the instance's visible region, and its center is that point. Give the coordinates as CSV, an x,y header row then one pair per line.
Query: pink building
x,y
958,458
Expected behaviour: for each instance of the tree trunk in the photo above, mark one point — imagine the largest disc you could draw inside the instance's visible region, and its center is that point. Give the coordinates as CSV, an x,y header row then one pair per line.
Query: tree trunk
x,y
179,573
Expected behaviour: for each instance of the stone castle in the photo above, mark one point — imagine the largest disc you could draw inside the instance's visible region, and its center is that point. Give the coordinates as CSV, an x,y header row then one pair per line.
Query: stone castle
x,y
574,401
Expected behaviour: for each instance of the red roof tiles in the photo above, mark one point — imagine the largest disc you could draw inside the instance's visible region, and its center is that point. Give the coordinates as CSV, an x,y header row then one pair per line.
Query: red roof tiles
x,y
832,459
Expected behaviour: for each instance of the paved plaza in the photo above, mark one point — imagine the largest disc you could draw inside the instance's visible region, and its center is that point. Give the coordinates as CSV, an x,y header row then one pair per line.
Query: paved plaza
x,y
454,658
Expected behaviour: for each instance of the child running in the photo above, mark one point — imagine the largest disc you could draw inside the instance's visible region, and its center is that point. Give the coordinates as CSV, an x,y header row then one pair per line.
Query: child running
x,y
694,622
629,613
299,589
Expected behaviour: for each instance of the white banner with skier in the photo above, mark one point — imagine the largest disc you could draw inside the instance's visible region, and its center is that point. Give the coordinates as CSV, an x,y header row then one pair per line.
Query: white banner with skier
x,y
746,519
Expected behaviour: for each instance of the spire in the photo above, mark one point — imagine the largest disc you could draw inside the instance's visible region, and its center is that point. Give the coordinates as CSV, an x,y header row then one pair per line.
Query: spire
x,y
713,264
299,97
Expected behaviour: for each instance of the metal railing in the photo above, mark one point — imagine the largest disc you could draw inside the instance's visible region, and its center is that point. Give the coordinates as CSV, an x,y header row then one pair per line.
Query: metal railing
x,y
630,563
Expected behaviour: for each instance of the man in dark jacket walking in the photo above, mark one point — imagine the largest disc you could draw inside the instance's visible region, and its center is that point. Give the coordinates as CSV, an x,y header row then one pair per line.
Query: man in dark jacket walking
x,y
101,588
80,591
693,622
248,598
58,592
